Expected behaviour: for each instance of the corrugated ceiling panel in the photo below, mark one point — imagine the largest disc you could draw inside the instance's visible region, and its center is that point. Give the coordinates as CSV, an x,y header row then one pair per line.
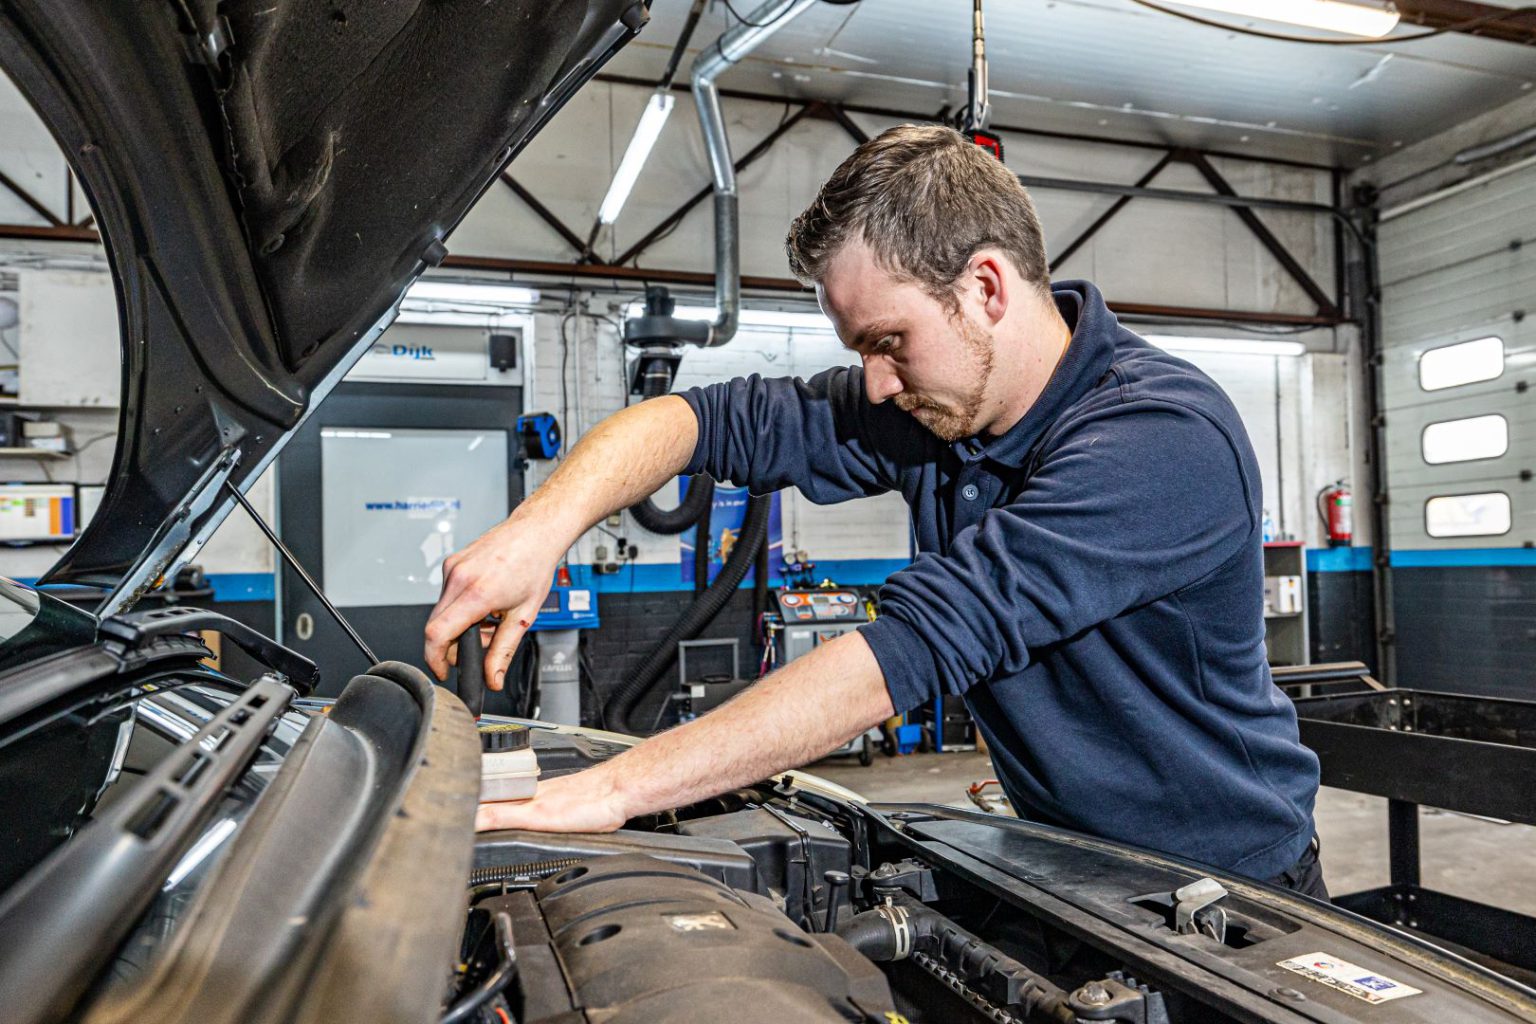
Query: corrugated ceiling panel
x,y
1112,67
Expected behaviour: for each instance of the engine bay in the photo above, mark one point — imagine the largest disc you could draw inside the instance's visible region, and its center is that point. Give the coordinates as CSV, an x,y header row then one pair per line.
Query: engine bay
x,y
794,900
765,902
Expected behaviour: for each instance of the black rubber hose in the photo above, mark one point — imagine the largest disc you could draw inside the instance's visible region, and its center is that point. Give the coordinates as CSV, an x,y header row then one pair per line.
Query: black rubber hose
x,y
754,533
468,1008
760,586
701,544
671,522
701,489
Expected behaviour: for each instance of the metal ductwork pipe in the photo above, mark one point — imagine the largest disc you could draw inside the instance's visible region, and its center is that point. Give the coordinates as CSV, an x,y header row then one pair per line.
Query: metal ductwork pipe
x,y
1497,147
716,58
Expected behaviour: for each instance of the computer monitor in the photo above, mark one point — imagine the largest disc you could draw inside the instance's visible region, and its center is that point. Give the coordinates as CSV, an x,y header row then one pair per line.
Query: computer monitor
x,y
37,513
90,496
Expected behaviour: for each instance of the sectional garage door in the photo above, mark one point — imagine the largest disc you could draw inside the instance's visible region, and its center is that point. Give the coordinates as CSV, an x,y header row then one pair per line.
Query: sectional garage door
x,y
1459,275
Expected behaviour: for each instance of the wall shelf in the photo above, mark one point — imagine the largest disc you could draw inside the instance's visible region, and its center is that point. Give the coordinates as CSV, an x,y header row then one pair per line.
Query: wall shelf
x,y
34,453
1287,639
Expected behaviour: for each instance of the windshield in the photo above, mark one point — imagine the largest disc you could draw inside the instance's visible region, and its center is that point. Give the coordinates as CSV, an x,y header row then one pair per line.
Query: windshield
x,y
18,607
34,625
55,780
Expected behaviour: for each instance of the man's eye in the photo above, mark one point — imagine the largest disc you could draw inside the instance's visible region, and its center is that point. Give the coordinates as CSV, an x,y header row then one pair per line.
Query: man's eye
x,y
886,343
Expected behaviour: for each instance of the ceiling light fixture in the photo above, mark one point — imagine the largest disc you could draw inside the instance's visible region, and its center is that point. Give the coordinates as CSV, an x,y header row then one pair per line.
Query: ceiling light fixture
x,y
1369,20
1228,346
640,146
467,293
749,317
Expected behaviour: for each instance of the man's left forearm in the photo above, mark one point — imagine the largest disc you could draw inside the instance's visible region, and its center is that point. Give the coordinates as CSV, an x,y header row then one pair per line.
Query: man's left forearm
x,y
800,713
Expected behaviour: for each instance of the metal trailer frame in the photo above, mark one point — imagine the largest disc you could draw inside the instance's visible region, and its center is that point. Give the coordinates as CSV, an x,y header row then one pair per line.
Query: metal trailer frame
x,y
1417,747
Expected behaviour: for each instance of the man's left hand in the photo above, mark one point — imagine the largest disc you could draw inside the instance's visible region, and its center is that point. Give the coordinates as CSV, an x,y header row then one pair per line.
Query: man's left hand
x,y
583,802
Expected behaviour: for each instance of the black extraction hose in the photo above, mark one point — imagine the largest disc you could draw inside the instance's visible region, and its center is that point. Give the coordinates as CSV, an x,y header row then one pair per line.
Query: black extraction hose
x,y
701,544
754,534
670,522
656,380
760,587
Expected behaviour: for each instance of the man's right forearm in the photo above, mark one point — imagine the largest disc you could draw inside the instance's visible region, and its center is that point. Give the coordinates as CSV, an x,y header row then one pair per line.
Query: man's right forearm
x,y
625,458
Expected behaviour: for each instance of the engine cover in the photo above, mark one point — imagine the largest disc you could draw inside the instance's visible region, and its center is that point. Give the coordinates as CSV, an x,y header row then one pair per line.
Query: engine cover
x,y
639,940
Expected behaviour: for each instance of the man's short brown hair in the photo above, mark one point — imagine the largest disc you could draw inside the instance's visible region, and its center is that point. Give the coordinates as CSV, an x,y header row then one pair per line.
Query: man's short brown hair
x,y
924,198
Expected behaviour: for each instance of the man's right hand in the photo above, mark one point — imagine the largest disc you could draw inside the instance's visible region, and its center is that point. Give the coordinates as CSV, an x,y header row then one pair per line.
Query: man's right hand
x,y
508,570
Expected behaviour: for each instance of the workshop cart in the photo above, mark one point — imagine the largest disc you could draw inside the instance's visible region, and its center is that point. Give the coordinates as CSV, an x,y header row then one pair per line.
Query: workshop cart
x,y
1416,747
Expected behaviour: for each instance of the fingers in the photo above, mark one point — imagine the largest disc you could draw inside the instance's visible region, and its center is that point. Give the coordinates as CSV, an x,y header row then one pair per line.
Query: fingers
x,y
449,618
437,639
583,802
444,629
502,648
521,814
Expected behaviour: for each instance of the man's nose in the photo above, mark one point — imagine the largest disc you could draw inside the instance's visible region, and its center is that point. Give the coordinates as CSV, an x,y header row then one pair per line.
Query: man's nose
x,y
880,383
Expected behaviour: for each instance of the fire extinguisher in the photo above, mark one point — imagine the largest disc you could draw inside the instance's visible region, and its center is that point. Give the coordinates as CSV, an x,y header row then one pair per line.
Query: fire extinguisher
x,y
1337,507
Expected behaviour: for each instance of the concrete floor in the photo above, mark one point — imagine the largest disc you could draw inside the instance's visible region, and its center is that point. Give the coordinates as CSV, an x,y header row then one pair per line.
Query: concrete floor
x,y
1462,855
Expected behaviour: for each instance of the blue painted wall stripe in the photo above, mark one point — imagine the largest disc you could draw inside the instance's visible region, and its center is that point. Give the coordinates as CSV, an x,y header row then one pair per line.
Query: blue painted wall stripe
x,y
1359,559
644,578
664,577
668,576
1338,560
1436,558
243,586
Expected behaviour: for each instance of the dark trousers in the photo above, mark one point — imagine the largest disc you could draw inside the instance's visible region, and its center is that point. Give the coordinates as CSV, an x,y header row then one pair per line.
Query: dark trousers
x,y
1306,875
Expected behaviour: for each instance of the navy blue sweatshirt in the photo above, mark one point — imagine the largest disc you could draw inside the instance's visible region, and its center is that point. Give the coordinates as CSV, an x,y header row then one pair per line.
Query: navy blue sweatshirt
x,y
1090,581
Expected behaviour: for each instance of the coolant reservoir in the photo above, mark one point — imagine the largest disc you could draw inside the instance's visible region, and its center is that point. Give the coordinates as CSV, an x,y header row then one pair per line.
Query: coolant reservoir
x,y
508,768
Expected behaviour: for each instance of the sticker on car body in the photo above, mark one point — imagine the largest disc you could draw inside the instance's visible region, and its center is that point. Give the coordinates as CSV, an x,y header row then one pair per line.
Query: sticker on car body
x,y
1349,978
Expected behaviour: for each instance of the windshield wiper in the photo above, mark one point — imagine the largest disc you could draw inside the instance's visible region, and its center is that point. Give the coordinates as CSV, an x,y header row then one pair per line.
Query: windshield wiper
x,y
135,628
62,921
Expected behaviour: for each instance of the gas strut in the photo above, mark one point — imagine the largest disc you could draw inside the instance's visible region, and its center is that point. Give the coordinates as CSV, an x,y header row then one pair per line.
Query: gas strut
x,y
309,581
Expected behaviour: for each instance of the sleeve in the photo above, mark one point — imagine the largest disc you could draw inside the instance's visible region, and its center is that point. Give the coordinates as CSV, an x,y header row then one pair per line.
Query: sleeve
x,y
821,435
1132,506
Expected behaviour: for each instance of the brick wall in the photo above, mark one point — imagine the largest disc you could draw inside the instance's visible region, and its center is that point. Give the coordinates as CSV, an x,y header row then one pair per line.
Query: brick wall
x,y
633,623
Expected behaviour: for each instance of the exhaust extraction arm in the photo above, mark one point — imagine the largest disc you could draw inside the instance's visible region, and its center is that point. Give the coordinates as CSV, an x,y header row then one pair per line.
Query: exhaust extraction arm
x,y
719,55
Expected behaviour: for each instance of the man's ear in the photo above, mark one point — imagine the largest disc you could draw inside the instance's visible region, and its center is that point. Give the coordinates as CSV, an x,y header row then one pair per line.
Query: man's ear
x,y
990,284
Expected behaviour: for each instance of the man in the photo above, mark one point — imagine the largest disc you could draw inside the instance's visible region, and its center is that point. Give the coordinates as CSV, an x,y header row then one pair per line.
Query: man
x,y
1087,509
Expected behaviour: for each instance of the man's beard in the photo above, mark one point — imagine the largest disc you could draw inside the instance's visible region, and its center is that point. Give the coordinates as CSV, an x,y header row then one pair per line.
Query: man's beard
x,y
954,422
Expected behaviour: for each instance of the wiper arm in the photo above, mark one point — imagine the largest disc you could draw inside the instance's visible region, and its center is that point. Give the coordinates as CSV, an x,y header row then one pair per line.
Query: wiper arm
x,y
134,628
60,924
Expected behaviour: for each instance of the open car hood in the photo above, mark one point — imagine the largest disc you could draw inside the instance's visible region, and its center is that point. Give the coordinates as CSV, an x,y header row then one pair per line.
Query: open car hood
x,y
268,177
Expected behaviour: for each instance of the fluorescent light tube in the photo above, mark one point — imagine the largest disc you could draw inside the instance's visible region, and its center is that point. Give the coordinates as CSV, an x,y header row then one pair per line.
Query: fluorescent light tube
x,y
1228,346
749,317
1352,19
468,293
640,146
